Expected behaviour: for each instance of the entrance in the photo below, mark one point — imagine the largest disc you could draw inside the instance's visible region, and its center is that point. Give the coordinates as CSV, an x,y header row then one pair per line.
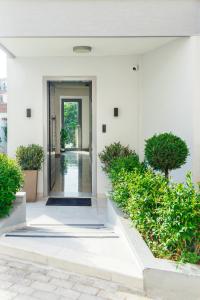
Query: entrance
x,y
71,111
69,138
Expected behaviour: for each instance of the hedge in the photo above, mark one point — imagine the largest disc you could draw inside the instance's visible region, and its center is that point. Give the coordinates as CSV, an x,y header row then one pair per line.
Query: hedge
x,y
166,214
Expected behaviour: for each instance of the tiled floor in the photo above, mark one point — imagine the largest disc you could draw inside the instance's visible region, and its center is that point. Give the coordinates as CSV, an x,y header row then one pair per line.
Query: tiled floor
x,y
73,174
22,280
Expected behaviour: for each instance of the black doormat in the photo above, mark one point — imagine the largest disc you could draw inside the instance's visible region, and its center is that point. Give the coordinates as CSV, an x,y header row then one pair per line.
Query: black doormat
x,y
54,201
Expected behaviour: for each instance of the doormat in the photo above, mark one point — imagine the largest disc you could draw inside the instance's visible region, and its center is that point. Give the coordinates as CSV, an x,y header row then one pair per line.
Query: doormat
x,y
54,201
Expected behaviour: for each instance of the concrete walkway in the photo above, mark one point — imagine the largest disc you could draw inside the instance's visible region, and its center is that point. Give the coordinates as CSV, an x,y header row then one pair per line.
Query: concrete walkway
x,y
107,258
21,280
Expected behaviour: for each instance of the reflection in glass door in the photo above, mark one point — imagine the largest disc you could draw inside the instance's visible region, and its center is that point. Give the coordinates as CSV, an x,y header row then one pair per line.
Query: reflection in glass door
x,y
72,123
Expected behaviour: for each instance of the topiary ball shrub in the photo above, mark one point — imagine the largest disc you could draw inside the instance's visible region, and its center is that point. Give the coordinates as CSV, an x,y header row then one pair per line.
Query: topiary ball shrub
x,y
165,152
112,152
11,180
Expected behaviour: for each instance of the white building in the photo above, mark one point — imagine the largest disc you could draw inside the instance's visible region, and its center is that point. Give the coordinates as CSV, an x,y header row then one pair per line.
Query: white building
x,y
144,61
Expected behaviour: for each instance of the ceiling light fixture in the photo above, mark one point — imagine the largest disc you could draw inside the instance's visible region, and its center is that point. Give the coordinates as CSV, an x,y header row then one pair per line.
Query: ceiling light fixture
x,y
82,49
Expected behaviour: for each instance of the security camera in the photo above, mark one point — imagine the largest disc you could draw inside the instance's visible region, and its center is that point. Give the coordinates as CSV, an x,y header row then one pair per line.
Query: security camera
x,y
135,68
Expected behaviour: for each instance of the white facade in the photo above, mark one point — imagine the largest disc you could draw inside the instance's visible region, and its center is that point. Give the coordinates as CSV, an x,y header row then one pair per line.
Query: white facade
x,y
158,97
99,18
116,86
167,95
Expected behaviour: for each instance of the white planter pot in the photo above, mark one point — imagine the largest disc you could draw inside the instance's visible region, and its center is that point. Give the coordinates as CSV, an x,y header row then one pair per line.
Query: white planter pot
x,y
17,217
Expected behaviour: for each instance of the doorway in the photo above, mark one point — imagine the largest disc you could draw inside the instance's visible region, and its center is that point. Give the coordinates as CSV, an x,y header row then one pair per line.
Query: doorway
x,y
69,138
71,111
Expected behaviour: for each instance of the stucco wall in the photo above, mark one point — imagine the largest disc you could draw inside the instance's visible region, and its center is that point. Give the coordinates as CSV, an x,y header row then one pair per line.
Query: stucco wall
x,y
166,98
116,86
163,95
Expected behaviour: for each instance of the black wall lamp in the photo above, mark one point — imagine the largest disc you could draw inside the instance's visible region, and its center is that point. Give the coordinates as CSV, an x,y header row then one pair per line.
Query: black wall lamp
x,y
28,112
104,128
116,111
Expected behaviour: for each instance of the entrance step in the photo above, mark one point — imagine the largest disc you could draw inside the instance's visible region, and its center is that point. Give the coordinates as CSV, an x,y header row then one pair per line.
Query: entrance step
x,y
64,231
90,249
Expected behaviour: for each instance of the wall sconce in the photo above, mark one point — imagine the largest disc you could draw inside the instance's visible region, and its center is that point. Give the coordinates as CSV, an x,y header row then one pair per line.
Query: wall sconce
x,y
116,112
104,128
28,112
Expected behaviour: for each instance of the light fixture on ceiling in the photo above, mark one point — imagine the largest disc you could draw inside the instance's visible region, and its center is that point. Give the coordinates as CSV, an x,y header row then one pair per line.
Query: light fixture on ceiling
x,y
82,49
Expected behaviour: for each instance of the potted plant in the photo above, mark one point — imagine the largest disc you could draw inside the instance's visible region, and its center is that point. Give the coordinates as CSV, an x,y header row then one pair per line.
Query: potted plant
x,y
63,139
30,158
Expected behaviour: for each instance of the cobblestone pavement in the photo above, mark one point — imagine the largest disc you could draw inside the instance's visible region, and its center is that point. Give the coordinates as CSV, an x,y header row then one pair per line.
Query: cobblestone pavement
x,y
21,280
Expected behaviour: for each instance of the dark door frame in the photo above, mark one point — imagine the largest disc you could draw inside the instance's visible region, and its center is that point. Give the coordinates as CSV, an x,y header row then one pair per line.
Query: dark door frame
x,y
79,101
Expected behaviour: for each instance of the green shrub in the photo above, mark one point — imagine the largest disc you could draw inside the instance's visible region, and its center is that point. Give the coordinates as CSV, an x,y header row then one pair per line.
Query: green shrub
x,y
30,157
11,180
167,216
113,151
121,188
179,219
127,163
165,152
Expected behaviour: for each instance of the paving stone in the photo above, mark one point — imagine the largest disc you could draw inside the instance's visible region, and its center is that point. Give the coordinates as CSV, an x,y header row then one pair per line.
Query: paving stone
x,y
6,295
17,265
104,284
89,297
110,295
44,295
24,297
85,289
5,284
43,286
81,279
57,274
3,269
61,283
26,281
69,294
20,288
38,276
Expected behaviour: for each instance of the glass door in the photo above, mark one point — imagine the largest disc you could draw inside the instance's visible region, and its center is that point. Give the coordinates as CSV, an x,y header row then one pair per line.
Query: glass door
x,y
72,124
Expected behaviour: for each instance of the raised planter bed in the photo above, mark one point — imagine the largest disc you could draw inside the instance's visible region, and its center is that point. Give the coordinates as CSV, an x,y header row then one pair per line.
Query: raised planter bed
x,y
163,279
17,217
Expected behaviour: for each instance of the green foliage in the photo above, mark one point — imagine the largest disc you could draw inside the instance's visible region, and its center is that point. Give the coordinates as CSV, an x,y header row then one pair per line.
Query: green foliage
x,y
63,138
30,157
113,151
166,214
11,180
70,121
165,152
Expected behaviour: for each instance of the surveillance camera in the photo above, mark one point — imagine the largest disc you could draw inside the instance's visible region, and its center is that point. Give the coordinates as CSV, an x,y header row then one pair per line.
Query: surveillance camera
x,y
135,68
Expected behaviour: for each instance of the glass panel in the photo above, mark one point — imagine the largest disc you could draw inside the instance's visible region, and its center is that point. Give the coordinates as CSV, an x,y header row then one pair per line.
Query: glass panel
x,y
71,124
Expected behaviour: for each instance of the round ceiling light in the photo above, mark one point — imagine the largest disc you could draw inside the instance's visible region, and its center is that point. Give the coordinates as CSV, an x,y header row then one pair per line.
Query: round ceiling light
x,y
82,49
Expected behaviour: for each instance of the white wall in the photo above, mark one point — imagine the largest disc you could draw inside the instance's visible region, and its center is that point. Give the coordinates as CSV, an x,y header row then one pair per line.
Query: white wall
x,y
99,18
116,86
196,107
166,97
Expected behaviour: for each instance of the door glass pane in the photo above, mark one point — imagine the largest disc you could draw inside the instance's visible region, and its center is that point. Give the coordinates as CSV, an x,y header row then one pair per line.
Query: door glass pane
x,y
71,124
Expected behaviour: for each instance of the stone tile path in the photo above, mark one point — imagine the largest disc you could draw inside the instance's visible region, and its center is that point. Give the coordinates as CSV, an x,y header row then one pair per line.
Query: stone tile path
x,y
21,280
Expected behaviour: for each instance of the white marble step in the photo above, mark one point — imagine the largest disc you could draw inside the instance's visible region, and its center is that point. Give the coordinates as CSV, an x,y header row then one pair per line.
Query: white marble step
x,y
63,232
